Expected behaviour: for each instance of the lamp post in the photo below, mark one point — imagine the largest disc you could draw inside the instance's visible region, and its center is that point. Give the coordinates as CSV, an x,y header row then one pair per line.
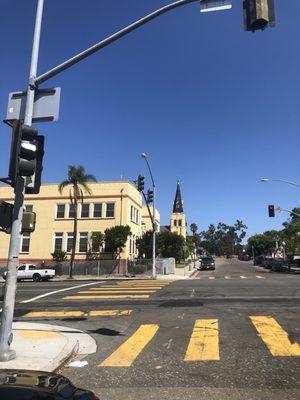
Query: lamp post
x,y
264,180
144,155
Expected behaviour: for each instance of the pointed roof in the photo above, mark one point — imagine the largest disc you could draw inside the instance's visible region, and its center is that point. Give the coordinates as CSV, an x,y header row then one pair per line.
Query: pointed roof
x,y
178,203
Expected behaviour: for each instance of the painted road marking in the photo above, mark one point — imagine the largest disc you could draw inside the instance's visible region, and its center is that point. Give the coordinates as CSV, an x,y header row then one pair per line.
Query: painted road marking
x,y
243,277
70,314
211,277
127,291
275,337
33,335
58,291
125,355
125,288
204,342
112,296
227,277
260,277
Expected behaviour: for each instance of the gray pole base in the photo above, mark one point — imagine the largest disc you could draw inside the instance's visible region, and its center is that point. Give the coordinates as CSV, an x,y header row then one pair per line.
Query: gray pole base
x,y
7,355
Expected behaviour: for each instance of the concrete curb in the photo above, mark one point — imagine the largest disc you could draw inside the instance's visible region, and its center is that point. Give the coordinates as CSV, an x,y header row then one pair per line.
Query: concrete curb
x,y
50,350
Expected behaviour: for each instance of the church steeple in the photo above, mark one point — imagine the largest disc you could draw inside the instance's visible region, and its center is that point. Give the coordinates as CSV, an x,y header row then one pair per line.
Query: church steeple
x,y
178,221
178,204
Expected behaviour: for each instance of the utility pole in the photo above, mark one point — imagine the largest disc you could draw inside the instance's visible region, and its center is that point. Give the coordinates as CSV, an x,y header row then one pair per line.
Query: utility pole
x,y
6,335
144,155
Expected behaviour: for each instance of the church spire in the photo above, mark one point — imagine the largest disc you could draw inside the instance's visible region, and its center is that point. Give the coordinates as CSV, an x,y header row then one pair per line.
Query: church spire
x,y
178,204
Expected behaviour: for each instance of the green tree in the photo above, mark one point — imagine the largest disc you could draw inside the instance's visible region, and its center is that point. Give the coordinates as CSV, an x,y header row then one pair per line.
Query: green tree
x,y
59,255
193,228
95,246
78,181
116,238
145,245
171,245
223,239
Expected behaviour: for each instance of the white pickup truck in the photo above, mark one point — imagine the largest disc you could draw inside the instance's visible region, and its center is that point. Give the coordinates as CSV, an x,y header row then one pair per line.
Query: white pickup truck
x,y
30,271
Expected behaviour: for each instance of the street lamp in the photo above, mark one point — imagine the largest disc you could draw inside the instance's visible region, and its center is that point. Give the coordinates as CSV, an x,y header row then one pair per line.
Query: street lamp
x,y
264,180
144,155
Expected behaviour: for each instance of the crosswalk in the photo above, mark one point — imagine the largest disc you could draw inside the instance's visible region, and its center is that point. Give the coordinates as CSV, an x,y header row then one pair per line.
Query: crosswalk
x,y
204,343
139,289
229,277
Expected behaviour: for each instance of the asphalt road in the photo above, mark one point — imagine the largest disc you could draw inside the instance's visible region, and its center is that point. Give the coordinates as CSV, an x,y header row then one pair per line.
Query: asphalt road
x,y
229,333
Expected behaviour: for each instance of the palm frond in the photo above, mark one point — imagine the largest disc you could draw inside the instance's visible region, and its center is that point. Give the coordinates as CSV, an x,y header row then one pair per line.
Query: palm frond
x,y
62,185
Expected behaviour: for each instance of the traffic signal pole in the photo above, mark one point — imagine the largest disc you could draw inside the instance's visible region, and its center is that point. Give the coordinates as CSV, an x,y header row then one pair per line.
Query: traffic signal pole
x,y
6,336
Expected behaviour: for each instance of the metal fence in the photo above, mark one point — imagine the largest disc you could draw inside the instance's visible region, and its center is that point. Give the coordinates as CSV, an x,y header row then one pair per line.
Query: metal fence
x,y
138,267
96,268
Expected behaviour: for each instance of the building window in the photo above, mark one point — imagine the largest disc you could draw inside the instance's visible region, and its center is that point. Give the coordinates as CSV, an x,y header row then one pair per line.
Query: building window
x,y
69,241
60,211
25,242
97,210
131,213
85,210
58,241
28,207
179,222
175,222
71,211
83,242
137,216
110,210
58,238
94,244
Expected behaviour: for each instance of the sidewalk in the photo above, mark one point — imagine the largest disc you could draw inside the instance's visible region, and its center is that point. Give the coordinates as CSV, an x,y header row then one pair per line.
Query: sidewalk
x,y
45,347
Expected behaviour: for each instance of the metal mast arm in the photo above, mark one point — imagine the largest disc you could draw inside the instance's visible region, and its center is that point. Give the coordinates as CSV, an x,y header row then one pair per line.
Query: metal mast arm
x,y
100,45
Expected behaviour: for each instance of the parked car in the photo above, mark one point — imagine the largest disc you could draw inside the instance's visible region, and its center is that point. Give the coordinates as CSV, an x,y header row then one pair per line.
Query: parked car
x,y
279,266
258,260
36,385
267,262
30,271
244,257
207,263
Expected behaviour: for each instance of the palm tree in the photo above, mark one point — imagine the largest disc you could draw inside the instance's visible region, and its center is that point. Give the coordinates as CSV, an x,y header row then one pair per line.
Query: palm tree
x,y
78,179
194,228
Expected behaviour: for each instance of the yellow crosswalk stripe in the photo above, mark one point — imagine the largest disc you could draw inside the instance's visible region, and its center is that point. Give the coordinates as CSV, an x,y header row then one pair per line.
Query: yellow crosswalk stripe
x,y
70,314
211,277
243,277
127,291
227,277
123,288
111,296
260,277
125,355
204,342
108,313
275,338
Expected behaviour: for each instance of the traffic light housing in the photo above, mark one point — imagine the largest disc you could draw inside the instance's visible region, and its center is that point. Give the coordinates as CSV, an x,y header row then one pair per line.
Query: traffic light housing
x,y
26,156
150,196
271,210
6,215
140,183
258,14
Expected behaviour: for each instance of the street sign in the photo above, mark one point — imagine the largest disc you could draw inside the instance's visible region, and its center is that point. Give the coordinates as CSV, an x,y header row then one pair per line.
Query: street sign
x,y
45,108
214,5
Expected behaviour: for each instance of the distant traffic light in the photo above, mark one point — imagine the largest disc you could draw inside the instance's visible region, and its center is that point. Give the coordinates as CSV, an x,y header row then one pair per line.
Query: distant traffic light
x,y
258,14
150,196
271,210
26,155
140,183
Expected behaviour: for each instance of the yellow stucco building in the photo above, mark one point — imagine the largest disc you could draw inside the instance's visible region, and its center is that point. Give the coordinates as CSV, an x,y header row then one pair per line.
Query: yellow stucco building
x,y
146,219
110,204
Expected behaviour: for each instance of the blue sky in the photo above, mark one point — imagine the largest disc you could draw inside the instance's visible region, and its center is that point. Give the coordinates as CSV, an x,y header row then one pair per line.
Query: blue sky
x,y
213,106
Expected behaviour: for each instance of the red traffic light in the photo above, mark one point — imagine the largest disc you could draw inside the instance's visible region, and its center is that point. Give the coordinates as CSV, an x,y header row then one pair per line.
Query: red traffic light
x,y
271,210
